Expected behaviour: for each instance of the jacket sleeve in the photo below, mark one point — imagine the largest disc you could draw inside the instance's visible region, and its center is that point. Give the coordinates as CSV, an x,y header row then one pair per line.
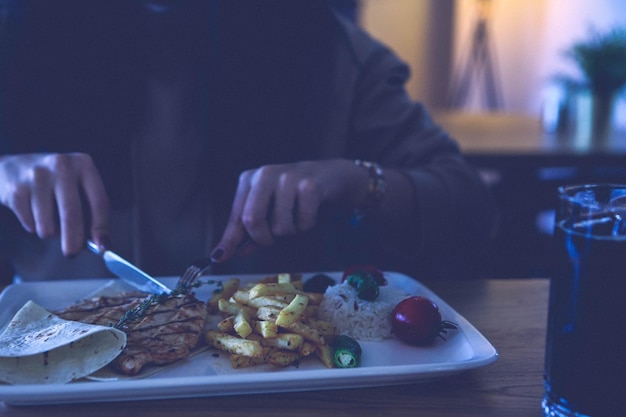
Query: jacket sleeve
x,y
454,206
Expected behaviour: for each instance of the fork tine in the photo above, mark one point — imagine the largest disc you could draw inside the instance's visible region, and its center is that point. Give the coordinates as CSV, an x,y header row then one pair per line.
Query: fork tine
x,y
189,275
193,272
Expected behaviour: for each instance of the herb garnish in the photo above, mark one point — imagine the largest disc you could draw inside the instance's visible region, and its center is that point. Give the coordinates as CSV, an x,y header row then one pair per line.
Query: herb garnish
x,y
141,309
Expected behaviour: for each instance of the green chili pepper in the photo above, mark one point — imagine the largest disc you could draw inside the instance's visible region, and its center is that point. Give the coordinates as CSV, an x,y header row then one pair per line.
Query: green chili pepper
x,y
347,352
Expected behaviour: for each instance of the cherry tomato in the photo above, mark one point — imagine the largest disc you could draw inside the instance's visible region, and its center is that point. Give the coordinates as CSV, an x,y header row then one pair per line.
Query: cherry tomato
x,y
417,321
376,273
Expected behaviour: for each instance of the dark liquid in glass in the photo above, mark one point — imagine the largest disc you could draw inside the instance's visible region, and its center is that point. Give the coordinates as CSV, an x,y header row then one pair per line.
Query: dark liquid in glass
x,y
586,346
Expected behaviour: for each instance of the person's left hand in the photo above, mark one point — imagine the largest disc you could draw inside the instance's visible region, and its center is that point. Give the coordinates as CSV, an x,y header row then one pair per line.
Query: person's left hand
x,y
282,200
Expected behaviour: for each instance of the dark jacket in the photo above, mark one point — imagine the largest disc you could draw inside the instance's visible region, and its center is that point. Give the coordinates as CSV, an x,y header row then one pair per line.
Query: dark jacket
x,y
279,81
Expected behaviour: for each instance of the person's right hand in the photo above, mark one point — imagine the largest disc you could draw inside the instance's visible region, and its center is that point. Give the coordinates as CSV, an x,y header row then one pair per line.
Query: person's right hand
x,y
45,192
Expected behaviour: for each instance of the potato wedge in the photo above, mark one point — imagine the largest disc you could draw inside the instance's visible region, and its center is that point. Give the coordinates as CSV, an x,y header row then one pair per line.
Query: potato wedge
x,y
273,321
233,344
294,278
326,328
309,333
269,313
325,353
283,278
241,361
267,329
241,323
282,358
293,311
228,289
230,308
226,325
286,341
312,311
280,301
314,298
271,289
241,297
306,348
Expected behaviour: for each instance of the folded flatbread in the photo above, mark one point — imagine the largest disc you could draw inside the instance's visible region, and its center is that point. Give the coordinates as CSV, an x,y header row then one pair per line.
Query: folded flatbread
x,y
38,347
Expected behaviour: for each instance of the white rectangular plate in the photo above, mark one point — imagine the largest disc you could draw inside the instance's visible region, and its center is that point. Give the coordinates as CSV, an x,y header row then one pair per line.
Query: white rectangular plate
x,y
387,362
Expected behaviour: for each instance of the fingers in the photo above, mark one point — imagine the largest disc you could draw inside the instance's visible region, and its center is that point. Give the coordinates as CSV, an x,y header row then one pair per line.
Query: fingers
x,y
99,205
235,231
234,242
309,200
69,205
21,206
257,195
272,202
285,205
43,203
45,191
78,175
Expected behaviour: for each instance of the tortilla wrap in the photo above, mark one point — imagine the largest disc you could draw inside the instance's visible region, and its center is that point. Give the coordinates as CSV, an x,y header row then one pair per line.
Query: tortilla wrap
x,y
38,347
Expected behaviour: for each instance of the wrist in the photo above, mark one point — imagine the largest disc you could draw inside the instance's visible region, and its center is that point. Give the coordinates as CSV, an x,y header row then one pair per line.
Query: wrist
x,y
377,187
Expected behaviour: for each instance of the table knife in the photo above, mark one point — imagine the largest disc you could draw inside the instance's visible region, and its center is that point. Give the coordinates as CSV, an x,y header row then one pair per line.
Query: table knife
x,y
128,272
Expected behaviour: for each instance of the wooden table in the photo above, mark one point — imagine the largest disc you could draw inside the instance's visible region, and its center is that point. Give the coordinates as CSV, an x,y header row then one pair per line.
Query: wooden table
x,y
505,135
510,313
524,166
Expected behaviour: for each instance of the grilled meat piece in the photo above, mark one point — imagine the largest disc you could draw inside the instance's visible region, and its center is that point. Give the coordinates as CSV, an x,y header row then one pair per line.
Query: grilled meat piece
x,y
103,310
168,331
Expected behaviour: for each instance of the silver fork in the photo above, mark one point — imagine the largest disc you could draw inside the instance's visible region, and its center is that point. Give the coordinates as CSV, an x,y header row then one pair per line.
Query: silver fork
x,y
193,271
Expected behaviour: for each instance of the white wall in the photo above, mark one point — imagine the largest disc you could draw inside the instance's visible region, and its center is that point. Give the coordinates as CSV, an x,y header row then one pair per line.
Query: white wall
x,y
516,32
402,25
573,19
528,40
420,31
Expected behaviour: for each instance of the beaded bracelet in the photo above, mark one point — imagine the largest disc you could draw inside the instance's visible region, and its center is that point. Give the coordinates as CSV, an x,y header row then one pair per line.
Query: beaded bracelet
x,y
377,188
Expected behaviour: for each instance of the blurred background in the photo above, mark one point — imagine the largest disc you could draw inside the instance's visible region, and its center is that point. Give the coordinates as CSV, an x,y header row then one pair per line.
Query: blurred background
x,y
526,40
497,75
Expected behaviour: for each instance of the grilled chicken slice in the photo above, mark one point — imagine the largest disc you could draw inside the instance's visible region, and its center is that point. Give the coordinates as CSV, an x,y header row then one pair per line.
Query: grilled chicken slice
x,y
168,332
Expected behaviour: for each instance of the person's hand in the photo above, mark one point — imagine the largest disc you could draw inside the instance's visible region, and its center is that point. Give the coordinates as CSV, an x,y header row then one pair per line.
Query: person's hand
x,y
45,192
281,200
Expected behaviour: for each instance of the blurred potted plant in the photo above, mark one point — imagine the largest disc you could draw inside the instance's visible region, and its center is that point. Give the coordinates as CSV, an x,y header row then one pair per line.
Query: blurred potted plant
x,y
602,60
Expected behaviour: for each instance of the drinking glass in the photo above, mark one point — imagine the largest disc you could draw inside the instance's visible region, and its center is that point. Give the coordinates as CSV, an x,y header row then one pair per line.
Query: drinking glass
x,y
585,367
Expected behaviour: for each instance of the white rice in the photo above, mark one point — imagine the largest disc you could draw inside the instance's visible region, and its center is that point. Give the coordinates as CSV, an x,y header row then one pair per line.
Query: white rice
x,y
360,319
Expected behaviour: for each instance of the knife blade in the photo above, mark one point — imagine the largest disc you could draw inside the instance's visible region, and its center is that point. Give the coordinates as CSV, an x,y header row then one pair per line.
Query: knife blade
x,y
129,272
